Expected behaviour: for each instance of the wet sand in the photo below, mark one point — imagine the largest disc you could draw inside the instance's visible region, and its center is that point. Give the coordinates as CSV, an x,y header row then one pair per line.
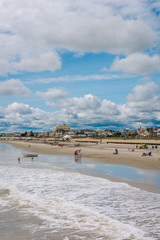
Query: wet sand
x,y
100,153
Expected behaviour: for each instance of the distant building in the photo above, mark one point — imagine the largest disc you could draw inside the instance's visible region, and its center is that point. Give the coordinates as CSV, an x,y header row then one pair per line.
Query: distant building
x,y
125,132
72,133
90,133
133,133
150,132
61,128
146,133
101,133
157,132
46,134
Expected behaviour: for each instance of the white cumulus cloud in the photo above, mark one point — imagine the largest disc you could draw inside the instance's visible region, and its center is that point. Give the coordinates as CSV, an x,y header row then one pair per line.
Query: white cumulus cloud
x,y
141,109
48,61
86,103
13,87
52,93
137,63
145,98
32,32
20,108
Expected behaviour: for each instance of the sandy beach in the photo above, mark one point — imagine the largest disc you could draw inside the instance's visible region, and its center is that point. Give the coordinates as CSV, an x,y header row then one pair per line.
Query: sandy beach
x,y
100,152
52,197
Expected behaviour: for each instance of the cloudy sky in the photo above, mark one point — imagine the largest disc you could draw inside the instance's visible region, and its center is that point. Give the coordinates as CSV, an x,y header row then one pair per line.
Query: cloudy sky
x,y
89,64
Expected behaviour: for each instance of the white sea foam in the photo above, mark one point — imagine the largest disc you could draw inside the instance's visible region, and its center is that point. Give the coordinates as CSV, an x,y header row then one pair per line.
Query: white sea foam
x,y
86,207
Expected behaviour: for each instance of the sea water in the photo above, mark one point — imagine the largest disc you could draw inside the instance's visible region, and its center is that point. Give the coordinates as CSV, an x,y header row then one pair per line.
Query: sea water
x,y
49,197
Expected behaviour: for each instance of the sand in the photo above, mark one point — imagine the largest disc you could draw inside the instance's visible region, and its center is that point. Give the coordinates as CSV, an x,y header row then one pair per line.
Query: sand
x,y
99,152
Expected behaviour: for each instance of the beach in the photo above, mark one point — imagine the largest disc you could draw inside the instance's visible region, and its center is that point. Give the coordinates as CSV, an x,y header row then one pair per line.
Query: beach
x,y
100,152
54,198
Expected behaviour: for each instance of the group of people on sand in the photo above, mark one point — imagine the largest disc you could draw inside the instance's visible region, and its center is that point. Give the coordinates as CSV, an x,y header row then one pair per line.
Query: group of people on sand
x,y
132,150
147,154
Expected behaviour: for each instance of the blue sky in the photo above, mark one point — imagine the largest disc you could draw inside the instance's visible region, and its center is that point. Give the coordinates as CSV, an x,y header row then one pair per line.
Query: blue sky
x,y
89,64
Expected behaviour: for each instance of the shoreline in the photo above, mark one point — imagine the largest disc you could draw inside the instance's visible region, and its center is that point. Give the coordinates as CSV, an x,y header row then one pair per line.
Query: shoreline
x,y
101,153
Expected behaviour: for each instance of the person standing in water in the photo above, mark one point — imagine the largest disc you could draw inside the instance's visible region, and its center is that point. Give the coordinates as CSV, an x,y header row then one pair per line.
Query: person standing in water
x,y
78,156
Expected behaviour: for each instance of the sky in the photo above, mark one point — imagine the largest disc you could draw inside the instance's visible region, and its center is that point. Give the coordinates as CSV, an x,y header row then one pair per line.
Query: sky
x,y
89,64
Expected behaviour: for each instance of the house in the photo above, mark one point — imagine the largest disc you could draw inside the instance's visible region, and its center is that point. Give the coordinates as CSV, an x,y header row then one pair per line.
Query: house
x,y
61,129
156,132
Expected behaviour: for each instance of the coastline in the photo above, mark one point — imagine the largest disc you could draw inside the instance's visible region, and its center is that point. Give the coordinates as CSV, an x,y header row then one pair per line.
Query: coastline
x,y
101,153
55,197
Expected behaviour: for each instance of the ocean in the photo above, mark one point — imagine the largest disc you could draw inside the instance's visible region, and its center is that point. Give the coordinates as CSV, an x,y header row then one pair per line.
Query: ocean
x,y
50,198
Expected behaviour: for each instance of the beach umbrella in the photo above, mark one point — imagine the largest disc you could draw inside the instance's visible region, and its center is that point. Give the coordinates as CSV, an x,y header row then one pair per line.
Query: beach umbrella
x,y
66,136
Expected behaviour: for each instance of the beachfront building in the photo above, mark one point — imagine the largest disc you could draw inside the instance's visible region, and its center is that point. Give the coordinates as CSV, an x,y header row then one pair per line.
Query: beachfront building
x,y
101,133
46,134
125,132
133,133
151,132
72,133
146,133
157,132
59,130
140,132
90,133
109,133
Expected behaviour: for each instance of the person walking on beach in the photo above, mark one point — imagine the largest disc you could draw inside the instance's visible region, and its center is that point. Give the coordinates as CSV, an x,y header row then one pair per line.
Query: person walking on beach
x,y
18,159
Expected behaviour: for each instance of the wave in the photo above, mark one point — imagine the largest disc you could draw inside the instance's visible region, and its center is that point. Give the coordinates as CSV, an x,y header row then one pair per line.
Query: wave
x,y
4,192
79,205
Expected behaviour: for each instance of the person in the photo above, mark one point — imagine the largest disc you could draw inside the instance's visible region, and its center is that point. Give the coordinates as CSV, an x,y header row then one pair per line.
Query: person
x,y
78,156
18,159
116,151
144,154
